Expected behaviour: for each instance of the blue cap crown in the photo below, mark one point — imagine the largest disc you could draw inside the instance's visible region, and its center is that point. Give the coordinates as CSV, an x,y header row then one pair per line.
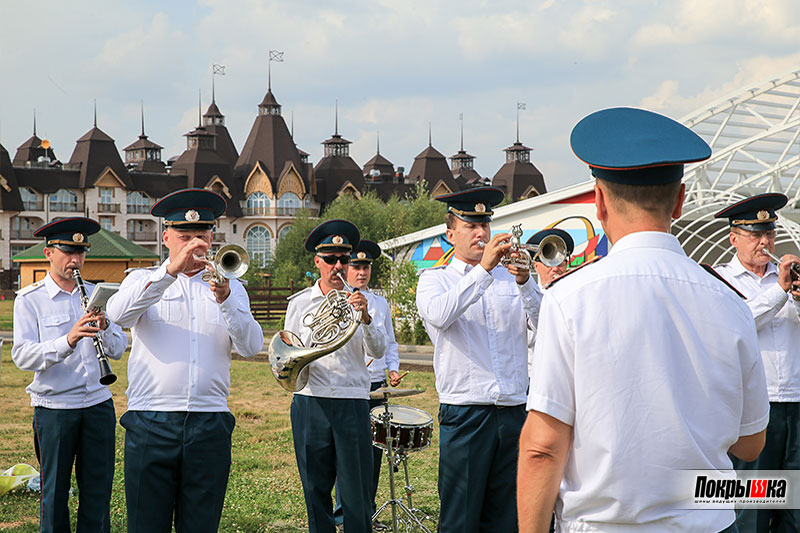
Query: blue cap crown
x,y
333,236
636,146
190,208
473,205
366,252
69,234
757,213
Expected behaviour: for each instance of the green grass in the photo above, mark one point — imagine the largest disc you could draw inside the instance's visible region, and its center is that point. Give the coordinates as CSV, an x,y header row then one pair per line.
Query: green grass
x,y
6,314
264,490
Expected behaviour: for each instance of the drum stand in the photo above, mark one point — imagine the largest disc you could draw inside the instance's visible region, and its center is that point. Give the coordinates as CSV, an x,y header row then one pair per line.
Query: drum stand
x,y
394,458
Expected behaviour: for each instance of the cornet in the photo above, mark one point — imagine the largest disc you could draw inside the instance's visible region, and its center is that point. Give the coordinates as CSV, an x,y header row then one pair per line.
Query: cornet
x,y
552,251
230,262
795,268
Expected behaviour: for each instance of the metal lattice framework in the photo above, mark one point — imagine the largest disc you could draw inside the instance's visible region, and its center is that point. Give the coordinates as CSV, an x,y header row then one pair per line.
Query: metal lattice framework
x,y
755,140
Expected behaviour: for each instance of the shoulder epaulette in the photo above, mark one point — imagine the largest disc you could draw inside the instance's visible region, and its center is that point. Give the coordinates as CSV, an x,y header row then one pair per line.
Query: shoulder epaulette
x,y
568,272
710,270
134,269
28,288
295,295
430,269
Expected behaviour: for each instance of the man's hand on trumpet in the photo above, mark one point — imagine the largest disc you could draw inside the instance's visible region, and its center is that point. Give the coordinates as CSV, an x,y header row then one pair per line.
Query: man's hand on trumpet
x,y
190,259
785,274
221,290
494,250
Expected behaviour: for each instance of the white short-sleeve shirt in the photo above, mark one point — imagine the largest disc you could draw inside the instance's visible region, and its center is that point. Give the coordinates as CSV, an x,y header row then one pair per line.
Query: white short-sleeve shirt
x,y
655,365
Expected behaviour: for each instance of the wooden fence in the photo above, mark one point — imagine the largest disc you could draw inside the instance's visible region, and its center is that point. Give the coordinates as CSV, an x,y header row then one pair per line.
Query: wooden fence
x,y
270,303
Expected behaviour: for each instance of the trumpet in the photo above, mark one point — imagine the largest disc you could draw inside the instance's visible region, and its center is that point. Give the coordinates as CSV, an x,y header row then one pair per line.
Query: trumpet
x,y
795,268
107,376
230,262
552,251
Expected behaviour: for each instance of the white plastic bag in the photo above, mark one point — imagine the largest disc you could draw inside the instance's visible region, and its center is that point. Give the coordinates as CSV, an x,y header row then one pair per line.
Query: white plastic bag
x,y
17,475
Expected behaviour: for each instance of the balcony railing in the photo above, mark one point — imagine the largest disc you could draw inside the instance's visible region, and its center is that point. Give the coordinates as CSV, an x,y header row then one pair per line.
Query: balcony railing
x,y
33,205
22,234
66,206
276,211
142,235
137,209
103,207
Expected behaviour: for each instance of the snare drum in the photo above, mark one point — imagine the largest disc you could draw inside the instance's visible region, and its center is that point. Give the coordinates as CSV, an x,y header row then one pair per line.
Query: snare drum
x,y
411,428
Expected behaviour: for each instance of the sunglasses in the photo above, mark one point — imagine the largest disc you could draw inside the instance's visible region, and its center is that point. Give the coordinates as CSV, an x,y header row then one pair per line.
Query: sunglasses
x,y
331,259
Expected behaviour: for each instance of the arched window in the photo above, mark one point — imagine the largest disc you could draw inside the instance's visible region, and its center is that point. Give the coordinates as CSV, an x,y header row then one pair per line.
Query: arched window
x,y
284,231
288,203
258,243
257,204
138,202
64,200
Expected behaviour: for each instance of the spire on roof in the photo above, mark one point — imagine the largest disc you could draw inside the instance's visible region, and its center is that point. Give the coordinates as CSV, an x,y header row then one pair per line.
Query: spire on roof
x,y
142,102
336,130
199,108
430,142
95,112
378,143
461,118
520,105
34,122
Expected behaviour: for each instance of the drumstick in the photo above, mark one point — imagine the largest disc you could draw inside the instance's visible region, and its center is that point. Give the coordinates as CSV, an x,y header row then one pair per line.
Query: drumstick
x,y
370,361
402,376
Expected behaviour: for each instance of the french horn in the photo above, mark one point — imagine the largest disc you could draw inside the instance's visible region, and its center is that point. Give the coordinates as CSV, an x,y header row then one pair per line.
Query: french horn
x,y
332,324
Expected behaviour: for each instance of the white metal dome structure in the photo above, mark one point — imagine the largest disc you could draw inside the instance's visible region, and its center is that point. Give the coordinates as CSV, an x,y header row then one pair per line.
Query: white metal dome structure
x,y
754,135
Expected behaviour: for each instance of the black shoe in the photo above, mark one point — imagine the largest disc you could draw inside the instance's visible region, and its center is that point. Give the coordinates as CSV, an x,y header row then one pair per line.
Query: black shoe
x,y
379,526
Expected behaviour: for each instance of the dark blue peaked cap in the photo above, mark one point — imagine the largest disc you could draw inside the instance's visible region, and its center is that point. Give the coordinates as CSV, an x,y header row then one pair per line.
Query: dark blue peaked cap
x,y
635,146
190,208
473,205
69,234
756,213
366,252
333,236
536,238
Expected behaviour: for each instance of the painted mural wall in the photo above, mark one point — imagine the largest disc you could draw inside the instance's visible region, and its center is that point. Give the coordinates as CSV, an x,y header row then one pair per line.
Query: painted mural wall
x,y
574,215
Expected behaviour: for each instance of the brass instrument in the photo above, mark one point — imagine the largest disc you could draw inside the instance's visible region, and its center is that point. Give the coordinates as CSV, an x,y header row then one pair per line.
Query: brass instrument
x,y
552,251
795,268
107,376
230,262
332,325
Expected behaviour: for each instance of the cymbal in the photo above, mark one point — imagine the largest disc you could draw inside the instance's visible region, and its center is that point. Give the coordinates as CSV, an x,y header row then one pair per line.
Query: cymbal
x,y
391,392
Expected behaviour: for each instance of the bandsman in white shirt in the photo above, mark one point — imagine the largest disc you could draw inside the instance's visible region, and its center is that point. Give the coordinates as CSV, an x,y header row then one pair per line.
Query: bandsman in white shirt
x,y
359,274
475,313
74,419
545,275
330,415
645,364
178,426
767,287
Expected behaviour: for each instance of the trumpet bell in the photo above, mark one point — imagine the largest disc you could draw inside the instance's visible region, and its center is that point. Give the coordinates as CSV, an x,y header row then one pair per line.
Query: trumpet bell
x,y
232,261
552,251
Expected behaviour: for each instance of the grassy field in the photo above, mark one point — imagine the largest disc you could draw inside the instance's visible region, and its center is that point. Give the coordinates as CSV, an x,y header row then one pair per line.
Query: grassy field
x,y
264,491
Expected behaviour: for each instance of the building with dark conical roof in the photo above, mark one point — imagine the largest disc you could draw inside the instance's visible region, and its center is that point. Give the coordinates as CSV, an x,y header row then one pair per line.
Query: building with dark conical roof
x,y
337,173
31,152
431,167
380,176
518,177
275,180
144,155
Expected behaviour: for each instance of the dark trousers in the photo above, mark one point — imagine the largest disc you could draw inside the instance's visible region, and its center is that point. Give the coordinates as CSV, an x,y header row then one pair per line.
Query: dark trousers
x,y
331,439
84,437
478,448
375,458
176,465
781,452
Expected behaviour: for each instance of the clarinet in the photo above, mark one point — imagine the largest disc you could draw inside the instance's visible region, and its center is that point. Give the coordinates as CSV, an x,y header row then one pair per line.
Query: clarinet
x,y
107,376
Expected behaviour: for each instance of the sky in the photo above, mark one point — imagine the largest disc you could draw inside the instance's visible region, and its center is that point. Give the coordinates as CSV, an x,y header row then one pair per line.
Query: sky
x,y
394,67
